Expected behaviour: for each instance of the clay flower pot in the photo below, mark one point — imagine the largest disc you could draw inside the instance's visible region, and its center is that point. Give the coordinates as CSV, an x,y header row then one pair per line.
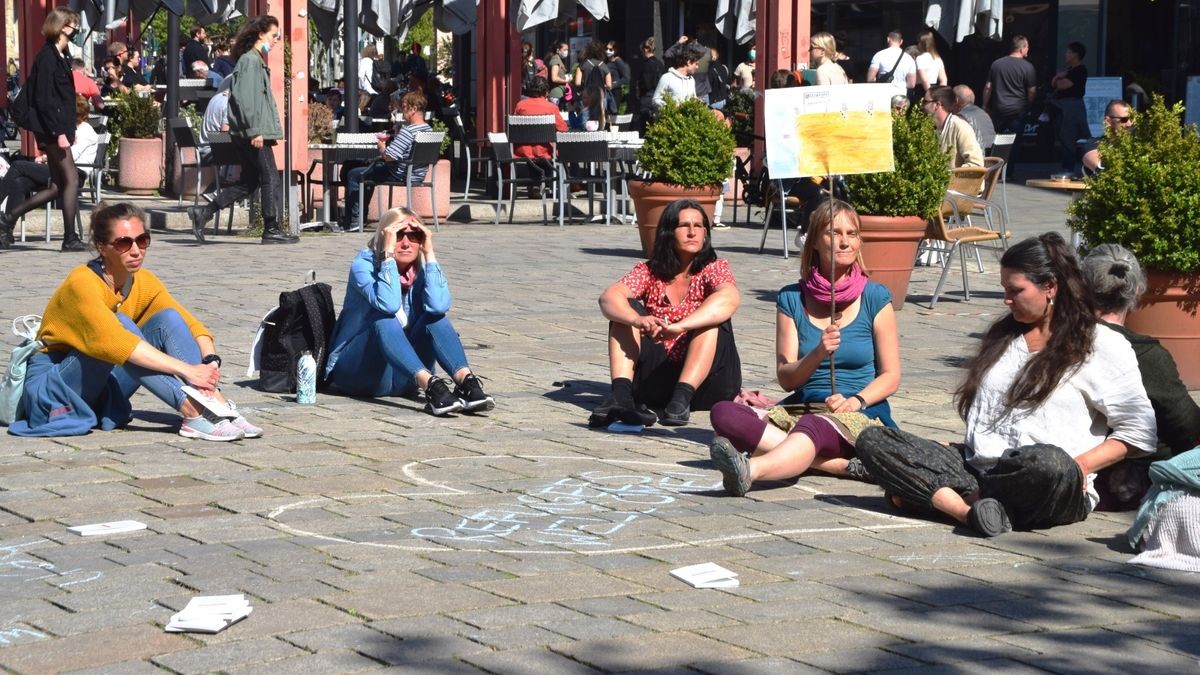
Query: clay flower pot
x,y
140,165
1170,312
650,198
889,250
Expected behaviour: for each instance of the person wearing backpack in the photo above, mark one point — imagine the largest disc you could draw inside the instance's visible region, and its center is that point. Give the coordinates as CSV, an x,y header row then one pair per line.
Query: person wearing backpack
x,y
111,328
393,328
593,72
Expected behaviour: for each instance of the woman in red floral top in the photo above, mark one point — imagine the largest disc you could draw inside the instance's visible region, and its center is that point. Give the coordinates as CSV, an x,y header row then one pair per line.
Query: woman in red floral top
x,y
670,339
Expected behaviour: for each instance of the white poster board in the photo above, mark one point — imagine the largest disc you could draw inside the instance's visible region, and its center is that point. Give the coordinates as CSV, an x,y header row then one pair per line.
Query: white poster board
x,y
1096,95
1191,101
835,129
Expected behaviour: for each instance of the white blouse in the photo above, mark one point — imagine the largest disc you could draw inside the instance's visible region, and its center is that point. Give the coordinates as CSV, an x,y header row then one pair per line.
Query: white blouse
x,y
1103,398
929,67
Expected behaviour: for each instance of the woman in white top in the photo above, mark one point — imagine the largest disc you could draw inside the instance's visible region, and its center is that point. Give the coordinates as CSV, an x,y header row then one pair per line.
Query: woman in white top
x,y
822,50
1052,397
366,70
931,71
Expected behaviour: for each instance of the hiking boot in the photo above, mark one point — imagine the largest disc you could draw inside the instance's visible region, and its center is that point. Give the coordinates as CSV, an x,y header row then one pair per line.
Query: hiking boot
x,y
248,429
202,428
733,465
673,416
856,471
470,393
438,398
988,517
199,219
277,236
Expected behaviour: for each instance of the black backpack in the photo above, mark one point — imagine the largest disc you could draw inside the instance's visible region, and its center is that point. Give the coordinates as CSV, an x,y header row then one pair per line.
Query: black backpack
x,y
595,76
303,321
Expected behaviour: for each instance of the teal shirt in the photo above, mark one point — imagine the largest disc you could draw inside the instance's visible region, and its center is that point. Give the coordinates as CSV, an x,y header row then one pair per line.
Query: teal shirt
x,y
855,358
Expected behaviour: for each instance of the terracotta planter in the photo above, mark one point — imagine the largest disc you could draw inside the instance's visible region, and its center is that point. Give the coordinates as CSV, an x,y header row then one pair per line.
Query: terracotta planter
x,y
184,180
421,202
140,165
889,250
1169,312
650,198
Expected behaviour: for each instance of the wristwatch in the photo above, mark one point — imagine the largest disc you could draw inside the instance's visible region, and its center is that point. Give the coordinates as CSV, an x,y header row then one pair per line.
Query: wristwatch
x,y
211,358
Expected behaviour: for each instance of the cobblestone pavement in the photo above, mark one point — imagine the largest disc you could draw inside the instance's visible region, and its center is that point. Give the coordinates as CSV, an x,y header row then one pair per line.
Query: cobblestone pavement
x,y
368,534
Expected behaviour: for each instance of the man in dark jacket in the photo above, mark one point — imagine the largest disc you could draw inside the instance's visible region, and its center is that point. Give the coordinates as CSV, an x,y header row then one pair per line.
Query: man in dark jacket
x,y
195,50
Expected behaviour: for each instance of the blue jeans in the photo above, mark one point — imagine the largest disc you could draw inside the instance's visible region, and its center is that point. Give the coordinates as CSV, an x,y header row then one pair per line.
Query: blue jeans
x,y
404,351
165,331
354,181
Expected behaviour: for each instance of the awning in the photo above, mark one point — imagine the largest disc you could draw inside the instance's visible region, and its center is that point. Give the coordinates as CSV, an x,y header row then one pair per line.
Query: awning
x,y
455,16
530,13
956,19
736,19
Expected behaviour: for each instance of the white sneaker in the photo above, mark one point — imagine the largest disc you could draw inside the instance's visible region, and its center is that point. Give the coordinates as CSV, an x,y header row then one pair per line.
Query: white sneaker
x,y
248,429
199,427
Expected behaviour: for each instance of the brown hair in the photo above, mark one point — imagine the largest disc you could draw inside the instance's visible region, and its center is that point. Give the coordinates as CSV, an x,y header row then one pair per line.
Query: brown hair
x,y
56,20
108,214
413,100
824,215
81,109
927,45
249,34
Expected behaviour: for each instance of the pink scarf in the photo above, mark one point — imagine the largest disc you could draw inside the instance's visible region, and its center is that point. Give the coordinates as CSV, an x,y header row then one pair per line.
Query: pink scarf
x,y
849,287
408,277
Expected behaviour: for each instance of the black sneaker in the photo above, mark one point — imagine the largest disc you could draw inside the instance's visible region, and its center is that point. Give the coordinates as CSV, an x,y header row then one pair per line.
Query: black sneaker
x,y
199,220
470,393
988,517
6,229
278,236
602,415
674,417
73,245
438,399
638,414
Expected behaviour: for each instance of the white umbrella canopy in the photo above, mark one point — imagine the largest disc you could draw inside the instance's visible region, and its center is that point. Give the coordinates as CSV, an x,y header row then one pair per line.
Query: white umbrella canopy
x,y
530,13
736,19
455,16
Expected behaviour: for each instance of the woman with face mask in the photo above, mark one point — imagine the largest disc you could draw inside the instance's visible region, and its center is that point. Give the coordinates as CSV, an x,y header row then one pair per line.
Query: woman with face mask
x,y
50,115
255,127
556,61
621,76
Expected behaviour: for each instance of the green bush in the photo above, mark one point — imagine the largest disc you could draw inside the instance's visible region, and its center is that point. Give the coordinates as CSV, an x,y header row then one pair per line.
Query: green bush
x,y
739,108
1147,198
918,184
687,145
136,117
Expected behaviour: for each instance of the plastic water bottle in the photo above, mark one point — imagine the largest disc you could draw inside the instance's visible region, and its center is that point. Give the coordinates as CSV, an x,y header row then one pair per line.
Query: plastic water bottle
x,y
306,378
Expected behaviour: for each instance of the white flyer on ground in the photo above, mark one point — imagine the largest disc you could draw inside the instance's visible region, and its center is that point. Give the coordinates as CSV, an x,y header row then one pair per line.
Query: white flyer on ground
x,y
114,527
209,614
706,575
210,403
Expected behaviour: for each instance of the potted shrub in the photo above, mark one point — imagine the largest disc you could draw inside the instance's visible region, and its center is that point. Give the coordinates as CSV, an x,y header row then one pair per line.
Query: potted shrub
x,y
688,153
1147,199
896,205
136,122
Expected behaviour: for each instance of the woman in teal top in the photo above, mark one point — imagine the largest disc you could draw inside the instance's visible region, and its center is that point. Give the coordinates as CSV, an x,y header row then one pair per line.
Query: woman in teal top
x,y
862,339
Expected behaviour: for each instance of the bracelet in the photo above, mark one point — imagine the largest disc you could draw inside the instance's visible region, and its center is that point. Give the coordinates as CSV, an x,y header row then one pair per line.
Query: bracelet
x,y
862,401
211,358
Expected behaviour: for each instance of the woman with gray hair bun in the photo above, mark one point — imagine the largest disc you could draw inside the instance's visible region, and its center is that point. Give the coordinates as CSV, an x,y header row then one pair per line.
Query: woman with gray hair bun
x,y
1117,282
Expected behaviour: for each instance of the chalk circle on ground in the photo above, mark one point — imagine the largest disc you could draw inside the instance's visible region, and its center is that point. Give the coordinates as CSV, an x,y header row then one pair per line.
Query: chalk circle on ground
x,y
527,504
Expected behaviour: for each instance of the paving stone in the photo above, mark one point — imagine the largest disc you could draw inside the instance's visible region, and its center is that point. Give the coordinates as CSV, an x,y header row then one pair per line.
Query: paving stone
x,y
559,587
644,652
1065,650
325,662
283,618
845,660
594,628
226,655
755,667
517,615
92,649
517,637
795,637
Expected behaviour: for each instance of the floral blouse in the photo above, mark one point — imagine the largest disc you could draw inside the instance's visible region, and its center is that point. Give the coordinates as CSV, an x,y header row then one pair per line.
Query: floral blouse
x,y
652,292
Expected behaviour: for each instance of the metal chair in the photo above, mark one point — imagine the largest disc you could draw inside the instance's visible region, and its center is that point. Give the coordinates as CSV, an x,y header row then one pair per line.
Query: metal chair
x,y
185,139
521,173
951,240
93,175
426,150
579,156
1002,148
621,122
222,155
471,148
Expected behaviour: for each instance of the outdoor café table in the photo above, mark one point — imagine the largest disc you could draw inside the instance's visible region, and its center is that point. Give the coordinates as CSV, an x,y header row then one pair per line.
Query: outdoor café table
x,y
1073,187
331,155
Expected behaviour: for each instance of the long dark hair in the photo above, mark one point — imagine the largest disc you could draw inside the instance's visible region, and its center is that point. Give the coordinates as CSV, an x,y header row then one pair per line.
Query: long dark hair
x,y
664,264
1043,259
248,35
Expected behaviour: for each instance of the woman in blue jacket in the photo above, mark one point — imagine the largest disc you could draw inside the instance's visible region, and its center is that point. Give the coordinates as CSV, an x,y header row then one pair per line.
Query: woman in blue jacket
x,y
393,327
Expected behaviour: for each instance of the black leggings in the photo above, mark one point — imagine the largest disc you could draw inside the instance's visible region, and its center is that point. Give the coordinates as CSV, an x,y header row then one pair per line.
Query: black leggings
x,y
1039,485
64,186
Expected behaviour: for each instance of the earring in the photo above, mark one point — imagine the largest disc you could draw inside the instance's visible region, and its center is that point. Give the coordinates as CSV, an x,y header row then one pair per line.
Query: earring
x,y
1051,302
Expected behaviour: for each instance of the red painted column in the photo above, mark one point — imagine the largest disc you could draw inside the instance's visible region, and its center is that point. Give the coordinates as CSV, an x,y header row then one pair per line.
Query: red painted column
x,y
781,40
497,80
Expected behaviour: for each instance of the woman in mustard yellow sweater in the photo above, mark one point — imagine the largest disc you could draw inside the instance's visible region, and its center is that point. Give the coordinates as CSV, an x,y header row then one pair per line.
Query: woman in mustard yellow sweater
x,y
112,327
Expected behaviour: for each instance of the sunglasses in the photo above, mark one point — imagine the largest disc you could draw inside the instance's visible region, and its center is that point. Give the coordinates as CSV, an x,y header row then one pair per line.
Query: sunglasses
x,y
415,236
1121,120
123,244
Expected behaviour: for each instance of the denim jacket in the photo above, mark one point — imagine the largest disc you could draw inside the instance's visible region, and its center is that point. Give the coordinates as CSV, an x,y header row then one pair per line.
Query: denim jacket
x,y
252,109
